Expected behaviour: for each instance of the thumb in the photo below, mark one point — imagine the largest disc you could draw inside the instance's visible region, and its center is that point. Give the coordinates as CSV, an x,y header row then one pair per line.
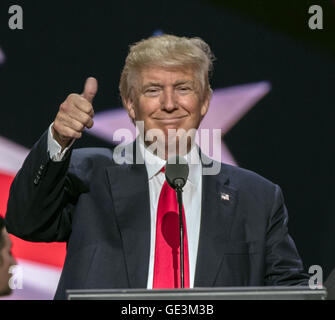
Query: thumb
x,y
90,89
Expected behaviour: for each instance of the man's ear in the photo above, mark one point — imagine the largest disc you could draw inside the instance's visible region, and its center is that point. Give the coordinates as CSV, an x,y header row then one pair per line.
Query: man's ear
x,y
205,103
129,105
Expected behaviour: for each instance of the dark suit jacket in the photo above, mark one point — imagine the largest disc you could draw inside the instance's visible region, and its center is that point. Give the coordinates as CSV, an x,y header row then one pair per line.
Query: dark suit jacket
x,y
101,209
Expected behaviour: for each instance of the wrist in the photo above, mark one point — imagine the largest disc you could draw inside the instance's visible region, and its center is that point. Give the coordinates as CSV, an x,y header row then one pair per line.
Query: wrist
x,y
63,142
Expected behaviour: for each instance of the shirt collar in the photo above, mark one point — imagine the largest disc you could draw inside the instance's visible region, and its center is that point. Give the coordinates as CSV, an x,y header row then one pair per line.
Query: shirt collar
x,y
154,164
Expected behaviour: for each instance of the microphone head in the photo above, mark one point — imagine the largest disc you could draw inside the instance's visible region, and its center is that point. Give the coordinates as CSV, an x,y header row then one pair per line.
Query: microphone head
x,y
176,172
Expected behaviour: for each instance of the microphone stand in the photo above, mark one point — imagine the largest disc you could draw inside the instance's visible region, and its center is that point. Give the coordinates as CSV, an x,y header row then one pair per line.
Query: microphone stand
x,y
176,176
179,192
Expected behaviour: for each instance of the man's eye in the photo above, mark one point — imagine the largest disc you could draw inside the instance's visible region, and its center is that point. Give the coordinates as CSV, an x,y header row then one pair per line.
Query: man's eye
x,y
152,91
184,89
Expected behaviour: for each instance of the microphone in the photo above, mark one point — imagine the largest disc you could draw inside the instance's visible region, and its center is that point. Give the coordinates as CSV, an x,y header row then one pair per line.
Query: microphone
x,y
176,173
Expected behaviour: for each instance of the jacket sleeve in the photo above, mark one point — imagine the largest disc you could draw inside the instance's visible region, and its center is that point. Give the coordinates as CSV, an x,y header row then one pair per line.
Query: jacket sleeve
x,y
41,198
283,263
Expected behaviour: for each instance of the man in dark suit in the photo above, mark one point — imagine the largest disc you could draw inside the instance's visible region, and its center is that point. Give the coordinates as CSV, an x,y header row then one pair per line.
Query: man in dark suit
x,y
107,207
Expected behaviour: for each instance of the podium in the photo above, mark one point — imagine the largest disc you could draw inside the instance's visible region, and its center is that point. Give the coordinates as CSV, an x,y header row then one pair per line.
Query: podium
x,y
226,293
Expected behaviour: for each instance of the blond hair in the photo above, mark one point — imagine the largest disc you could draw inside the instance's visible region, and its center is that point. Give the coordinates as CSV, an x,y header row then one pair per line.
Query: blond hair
x,y
167,51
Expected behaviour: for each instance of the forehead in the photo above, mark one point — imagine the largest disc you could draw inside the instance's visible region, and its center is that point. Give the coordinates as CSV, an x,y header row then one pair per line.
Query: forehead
x,y
166,75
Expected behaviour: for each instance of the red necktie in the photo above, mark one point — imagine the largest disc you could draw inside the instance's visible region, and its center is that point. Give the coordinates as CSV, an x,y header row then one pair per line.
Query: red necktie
x,y
167,253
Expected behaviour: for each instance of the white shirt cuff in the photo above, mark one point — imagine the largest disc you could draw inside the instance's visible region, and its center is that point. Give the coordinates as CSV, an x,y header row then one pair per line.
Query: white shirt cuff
x,y
54,149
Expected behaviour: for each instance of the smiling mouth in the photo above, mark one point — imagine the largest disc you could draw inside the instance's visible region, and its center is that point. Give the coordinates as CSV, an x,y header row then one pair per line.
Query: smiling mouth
x,y
170,120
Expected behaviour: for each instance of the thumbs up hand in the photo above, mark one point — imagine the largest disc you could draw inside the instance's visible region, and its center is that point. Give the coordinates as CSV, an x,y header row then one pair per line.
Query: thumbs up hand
x,y
75,114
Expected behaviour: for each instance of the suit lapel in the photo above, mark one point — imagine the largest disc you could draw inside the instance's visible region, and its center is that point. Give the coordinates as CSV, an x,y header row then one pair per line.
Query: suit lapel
x,y
130,193
217,214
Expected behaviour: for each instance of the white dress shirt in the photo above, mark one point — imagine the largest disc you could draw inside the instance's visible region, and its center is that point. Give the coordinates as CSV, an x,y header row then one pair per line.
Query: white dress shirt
x,y
54,148
191,199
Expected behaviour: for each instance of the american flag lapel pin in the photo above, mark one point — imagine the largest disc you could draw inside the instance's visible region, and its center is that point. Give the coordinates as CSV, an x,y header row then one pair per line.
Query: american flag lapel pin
x,y
225,196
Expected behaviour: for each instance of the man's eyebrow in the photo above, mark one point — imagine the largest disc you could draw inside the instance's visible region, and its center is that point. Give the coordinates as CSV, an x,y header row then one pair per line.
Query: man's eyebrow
x,y
183,82
157,84
152,84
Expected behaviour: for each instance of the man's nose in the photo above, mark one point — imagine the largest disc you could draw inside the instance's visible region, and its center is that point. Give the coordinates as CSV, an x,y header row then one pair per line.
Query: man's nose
x,y
168,102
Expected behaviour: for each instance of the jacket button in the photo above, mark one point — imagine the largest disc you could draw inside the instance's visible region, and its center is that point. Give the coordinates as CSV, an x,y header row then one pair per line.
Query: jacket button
x,y
36,181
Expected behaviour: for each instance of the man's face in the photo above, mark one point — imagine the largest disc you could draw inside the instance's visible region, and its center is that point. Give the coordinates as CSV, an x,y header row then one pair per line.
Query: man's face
x,y
168,99
6,261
